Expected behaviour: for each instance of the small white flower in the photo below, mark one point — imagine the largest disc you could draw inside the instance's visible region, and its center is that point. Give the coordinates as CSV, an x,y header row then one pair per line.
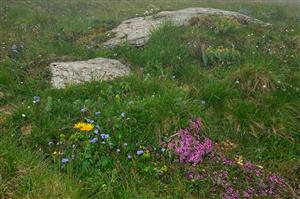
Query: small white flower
x,y
264,86
23,115
237,81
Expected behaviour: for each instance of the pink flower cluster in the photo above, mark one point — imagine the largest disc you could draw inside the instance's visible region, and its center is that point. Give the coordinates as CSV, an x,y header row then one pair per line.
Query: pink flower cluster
x,y
231,194
188,146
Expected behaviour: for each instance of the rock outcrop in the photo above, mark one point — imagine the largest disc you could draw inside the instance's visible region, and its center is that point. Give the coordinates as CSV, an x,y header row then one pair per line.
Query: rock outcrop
x,y
66,73
136,30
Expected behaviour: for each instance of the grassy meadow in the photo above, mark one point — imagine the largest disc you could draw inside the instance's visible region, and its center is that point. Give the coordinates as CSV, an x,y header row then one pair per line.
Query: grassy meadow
x,y
242,81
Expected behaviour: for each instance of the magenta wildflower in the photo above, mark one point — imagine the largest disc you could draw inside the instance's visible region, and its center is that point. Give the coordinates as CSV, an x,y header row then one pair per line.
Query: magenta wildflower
x,y
248,192
188,146
231,194
273,179
196,125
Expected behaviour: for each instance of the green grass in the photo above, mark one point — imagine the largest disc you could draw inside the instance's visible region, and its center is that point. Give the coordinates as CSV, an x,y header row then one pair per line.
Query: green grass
x,y
252,101
26,174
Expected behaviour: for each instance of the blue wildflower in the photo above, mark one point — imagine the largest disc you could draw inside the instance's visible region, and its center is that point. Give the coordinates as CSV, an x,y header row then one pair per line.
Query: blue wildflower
x,y
97,113
139,152
129,156
83,110
64,160
36,99
94,140
123,115
104,136
96,131
103,142
89,121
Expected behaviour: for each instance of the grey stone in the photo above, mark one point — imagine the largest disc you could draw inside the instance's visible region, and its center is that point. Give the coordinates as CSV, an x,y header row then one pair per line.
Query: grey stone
x,y
66,73
136,30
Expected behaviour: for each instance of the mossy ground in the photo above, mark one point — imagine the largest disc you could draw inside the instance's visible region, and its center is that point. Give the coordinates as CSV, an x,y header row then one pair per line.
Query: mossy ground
x,y
251,100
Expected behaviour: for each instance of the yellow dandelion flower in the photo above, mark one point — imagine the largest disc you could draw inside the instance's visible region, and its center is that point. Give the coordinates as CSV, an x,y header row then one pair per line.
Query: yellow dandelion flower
x,y
87,127
79,125
83,126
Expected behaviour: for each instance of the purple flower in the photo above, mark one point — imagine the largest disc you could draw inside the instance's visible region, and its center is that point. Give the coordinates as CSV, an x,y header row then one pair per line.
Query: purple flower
x,y
189,147
103,142
36,99
94,140
248,192
64,160
208,145
129,156
231,194
196,125
139,152
273,179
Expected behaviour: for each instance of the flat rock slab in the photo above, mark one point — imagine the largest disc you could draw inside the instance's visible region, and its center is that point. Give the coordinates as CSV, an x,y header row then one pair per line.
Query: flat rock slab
x,y
66,73
136,30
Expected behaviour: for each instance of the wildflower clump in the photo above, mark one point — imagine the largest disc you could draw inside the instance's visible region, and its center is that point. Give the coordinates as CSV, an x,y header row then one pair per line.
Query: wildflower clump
x,y
225,25
189,146
83,126
220,56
